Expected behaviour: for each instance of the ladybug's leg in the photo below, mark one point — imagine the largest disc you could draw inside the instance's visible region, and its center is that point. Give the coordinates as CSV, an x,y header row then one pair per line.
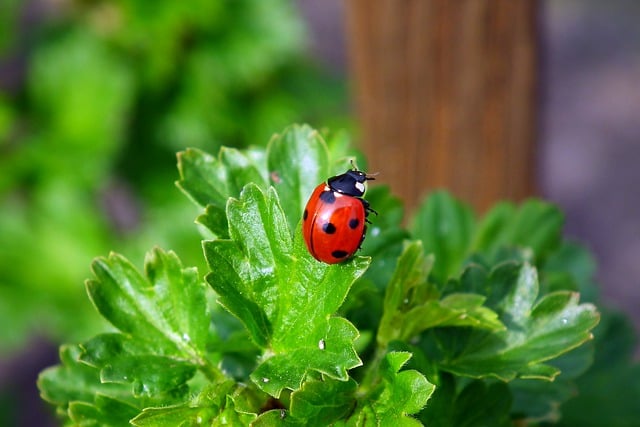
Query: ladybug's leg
x,y
364,234
367,207
367,210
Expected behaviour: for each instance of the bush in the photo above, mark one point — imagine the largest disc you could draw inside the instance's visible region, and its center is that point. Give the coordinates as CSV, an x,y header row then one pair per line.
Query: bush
x,y
457,321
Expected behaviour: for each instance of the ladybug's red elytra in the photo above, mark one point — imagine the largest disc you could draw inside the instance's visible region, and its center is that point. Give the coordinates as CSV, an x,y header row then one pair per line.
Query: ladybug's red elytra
x,y
334,220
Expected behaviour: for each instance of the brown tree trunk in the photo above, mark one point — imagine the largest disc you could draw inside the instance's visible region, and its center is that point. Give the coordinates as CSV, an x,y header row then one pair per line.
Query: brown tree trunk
x,y
445,94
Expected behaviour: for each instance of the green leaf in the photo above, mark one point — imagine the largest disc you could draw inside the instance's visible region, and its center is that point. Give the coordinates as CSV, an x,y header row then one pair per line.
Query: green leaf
x,y
75,381
400,394
79,395
210,181
409,388
383,243
477,404
164,320
281,294
410,273
320,403
220,403
298,160
571,267
535,226
295,162
385,235
539,400
537,329
291,361
605,398
122,359
445,227
453,310
166,307
608,393
105,412
276,418
411,304
536,400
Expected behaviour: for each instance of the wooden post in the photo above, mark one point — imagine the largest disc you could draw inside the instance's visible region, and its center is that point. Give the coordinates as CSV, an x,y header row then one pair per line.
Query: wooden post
x,y
445,94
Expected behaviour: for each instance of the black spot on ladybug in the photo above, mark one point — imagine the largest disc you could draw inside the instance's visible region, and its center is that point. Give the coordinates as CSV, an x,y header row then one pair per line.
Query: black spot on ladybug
x,y
328,197
305,215
329,228
353,223
339,254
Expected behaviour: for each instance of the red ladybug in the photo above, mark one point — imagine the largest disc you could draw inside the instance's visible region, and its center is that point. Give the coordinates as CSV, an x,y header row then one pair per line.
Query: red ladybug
x,y
334,219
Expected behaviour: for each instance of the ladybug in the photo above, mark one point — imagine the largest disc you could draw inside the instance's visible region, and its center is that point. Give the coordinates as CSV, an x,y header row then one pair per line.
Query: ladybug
x,y
334,220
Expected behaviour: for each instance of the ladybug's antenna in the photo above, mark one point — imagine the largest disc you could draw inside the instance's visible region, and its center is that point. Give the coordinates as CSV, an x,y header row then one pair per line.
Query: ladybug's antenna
x,y
368,176
371,176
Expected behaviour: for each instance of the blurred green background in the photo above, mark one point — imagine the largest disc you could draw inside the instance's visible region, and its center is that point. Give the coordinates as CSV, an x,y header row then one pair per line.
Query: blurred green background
x,y
96,97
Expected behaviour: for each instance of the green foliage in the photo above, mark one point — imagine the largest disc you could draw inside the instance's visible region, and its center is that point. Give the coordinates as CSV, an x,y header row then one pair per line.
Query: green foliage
x,y
476,403
537,328
262,277
609,389
466,321
104,94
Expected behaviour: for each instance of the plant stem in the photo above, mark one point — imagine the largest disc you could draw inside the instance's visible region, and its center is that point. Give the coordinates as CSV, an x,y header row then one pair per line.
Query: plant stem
x,y
210,371
371,376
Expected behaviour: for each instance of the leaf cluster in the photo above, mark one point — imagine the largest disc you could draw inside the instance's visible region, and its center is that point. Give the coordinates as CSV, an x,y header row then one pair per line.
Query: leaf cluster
x,y
457,321
99,97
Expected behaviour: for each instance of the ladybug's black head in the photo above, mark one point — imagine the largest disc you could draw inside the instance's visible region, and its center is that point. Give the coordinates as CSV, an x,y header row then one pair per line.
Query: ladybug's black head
x,y
350,183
